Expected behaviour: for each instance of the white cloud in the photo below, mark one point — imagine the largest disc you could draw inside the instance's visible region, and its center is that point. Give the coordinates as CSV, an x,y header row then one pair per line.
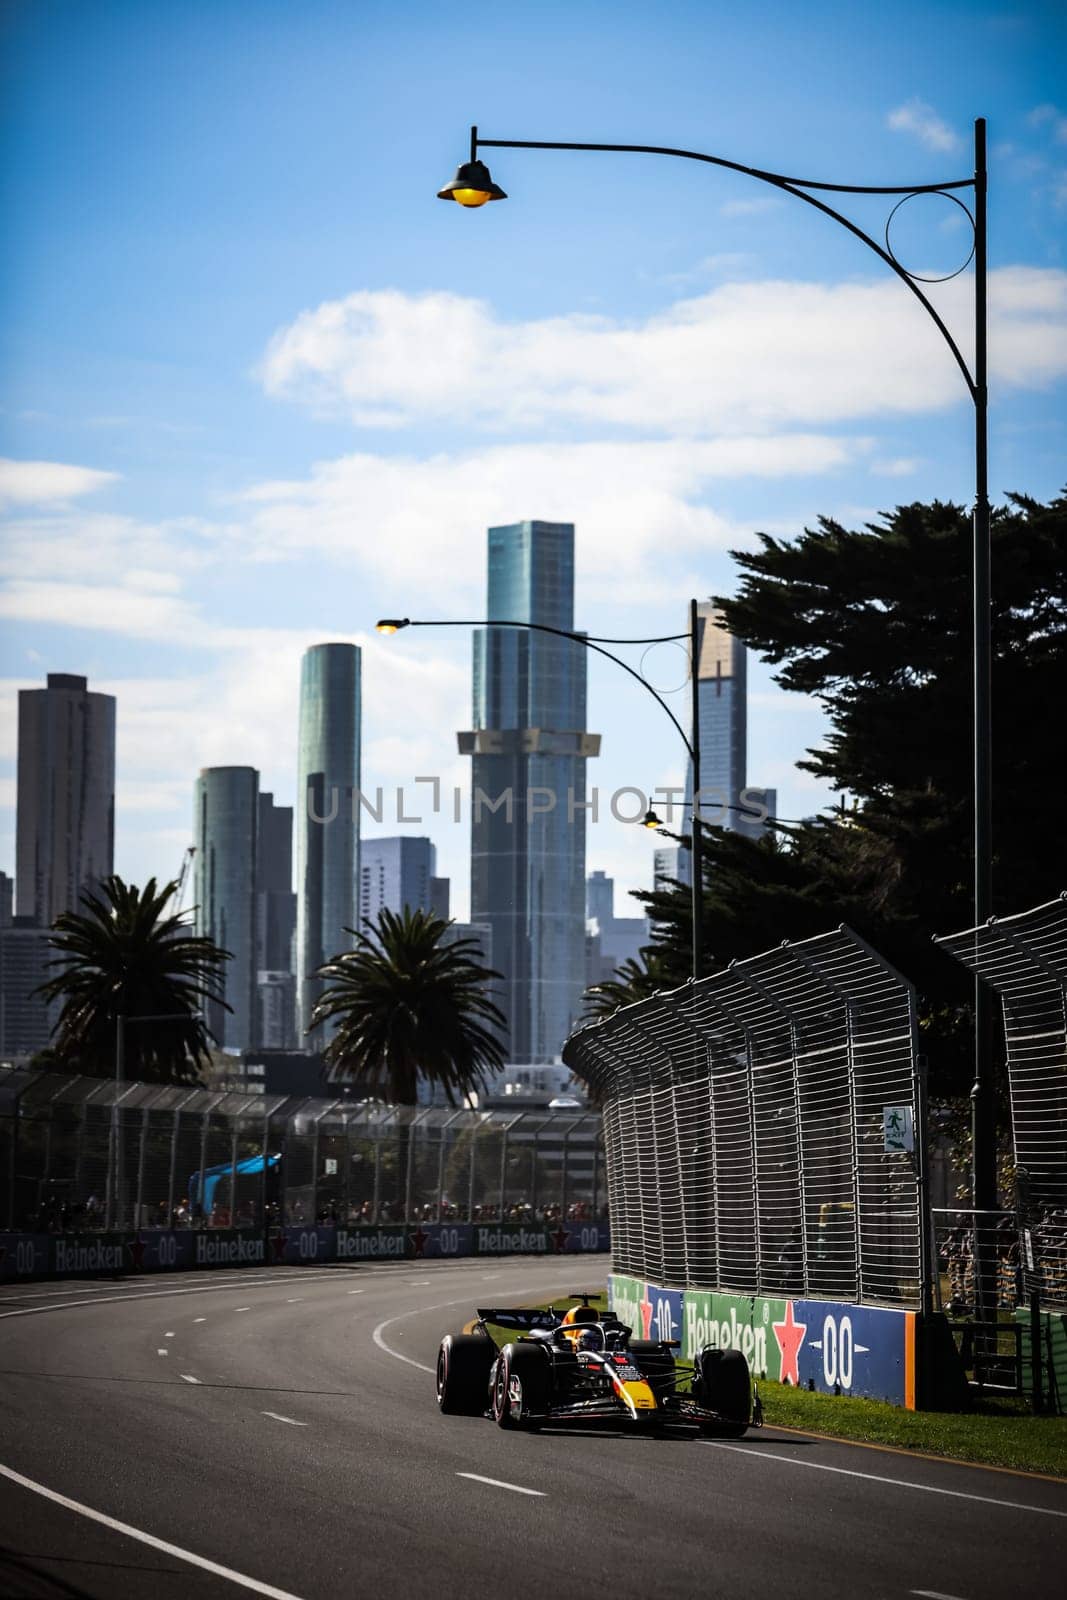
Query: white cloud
x,y
743,358
916,117
45,482
1049,116
896,467
637,506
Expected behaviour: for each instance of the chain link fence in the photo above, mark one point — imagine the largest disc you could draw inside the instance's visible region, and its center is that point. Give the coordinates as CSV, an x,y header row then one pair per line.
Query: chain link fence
x,y
79,1153
763,1128
1024,958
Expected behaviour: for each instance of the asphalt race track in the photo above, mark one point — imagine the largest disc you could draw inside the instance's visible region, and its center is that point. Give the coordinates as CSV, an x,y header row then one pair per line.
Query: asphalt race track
x,y
276,1433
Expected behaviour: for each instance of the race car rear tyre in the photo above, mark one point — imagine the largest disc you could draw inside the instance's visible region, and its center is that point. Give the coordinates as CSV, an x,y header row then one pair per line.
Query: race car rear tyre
x,y
463,1365
522,1388
723,1383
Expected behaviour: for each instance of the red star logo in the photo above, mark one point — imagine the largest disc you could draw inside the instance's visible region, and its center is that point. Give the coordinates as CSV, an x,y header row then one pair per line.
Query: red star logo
x,y
790,1336
420,1240
278,1244
559,1238
646,1309
137,1248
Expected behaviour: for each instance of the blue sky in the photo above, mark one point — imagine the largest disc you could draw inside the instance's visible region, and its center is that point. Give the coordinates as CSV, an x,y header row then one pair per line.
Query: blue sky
x,y
260,387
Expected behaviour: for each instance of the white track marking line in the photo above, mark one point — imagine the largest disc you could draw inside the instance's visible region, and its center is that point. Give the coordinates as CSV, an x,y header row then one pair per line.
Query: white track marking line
x,y
199,1319
934,1594
498,1483
242,1308
418,1283
168,1549
410,1361
187,1377
355,1291
279,1418
152,1294
168,1336
897,1483
296,1300
163,1352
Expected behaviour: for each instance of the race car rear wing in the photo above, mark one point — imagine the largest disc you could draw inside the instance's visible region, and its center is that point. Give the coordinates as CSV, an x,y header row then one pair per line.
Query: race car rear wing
x,y
522,1318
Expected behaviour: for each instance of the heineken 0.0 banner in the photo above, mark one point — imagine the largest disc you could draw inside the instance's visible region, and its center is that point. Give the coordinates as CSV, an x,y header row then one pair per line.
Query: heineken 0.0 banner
x,y
83,1255
828,1345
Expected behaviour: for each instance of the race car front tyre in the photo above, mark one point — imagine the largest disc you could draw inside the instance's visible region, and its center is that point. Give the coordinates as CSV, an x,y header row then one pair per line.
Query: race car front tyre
x,y
463,1364
521,1389
723,1383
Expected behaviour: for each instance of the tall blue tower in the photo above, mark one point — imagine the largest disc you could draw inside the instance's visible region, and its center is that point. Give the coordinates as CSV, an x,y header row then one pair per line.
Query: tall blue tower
x,y
529,747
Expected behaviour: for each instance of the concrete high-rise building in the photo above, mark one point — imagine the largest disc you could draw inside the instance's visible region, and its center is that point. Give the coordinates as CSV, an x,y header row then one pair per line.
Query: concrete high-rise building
x,y
65,824
226,825
26,1019
611,940
394,873
327,813
7,900
529,746
275,928
726,800
670,863
441,897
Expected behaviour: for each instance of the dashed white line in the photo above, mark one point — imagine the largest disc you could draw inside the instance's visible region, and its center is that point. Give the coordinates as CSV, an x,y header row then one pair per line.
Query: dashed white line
x,y
242,1308
498,1483
897,1483
163,1351
418,1283
296,1300
934,1594
199,1319
168,1335
187,1377
290,1420
241,1578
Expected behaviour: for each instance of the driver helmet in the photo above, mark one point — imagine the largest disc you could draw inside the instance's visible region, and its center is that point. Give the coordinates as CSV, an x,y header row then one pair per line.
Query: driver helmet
x,y
590,1339
575,1319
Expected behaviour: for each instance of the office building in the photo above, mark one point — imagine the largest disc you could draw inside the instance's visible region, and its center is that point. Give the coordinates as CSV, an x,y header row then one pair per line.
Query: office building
x,y
726,800
226,825
275,928
394,873
7,900
481,936
529,748
65,823
26,1019
441,897
611,940
670,864
327,814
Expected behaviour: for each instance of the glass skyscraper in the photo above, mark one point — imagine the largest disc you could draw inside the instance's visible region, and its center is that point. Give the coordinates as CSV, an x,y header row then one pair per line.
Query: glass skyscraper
x,y
529,748
65,821
327,812
727,800
394,873
226,827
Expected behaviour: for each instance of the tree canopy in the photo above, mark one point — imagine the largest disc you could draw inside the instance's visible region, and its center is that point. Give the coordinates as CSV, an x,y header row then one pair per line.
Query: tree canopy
x,y
876,623
123,956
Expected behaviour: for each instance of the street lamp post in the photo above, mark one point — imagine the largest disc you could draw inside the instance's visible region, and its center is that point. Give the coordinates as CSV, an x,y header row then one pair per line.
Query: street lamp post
x,y
473,187
389,625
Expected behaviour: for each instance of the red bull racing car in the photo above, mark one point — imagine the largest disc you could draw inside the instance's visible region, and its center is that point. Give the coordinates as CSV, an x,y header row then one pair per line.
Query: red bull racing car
x,y
582,1365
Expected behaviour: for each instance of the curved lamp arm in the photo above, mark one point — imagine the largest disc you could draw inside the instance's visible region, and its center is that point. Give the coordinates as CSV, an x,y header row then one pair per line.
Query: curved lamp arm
x,y
590,643
799,188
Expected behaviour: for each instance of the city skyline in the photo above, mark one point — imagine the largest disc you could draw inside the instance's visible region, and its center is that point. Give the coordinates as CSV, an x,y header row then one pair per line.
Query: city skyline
x,y
265,413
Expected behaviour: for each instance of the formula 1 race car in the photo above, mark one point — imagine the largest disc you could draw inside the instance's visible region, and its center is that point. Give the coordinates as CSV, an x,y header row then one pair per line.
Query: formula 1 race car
x,y
583,1366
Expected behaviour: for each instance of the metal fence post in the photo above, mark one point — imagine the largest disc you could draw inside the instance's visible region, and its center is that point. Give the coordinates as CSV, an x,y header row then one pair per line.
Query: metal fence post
x,y
503,1172
470,1175
172,1172
377,1200
315,1173
138,1203
410,1145
233,1177
346,1197
202,1187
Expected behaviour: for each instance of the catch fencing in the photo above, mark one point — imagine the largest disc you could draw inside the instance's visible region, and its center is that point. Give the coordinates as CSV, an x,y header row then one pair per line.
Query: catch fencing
x,y
80,1154
761,1126
1024,958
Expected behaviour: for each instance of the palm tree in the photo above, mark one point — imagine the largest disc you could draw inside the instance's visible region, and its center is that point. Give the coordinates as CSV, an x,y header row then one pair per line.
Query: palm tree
x,y
405,1007
122,956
